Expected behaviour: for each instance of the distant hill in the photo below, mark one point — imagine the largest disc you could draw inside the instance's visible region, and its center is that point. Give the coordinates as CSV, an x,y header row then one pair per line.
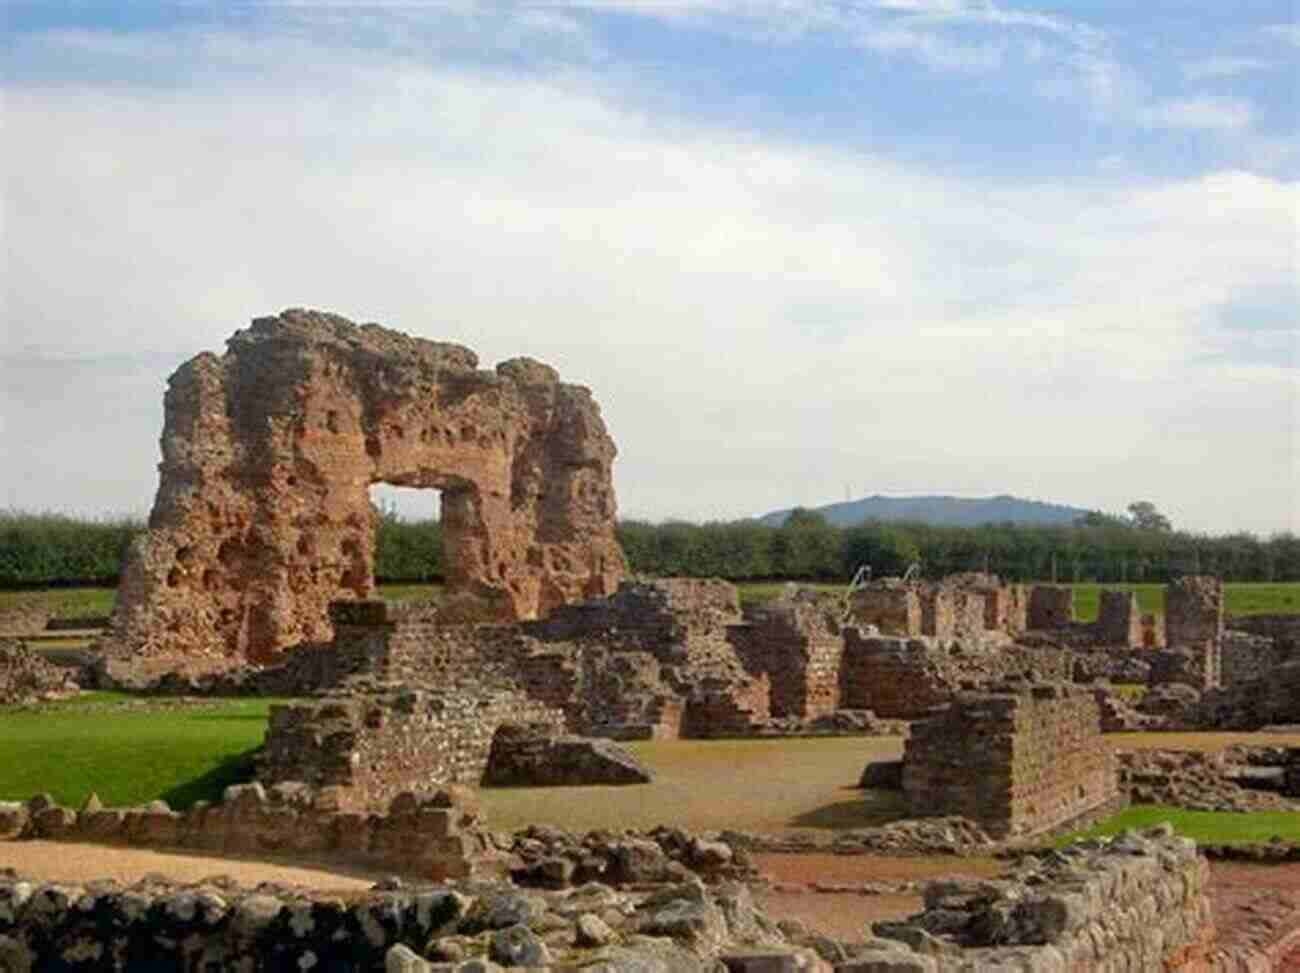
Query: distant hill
x,y
943,511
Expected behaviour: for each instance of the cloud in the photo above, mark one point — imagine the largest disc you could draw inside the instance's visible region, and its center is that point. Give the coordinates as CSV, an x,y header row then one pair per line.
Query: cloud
x,y
1223,114
760,320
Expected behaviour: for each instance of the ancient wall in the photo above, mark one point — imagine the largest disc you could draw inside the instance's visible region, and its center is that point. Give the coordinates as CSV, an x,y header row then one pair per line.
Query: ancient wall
x,y
26,677
1267,700
263,517
1050,606
436,834
892,608
1284,629
1244,656
1017,762
25,617
1119,619
1193,611
798,644
906,678
372,748
1197,665
1138,902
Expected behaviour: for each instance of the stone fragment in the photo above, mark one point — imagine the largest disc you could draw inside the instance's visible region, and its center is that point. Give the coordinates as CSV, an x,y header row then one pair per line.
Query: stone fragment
x,y
518,946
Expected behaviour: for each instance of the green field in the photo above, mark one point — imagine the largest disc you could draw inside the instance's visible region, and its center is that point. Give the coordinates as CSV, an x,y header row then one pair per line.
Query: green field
x,y
95,743
1240,598
1205,827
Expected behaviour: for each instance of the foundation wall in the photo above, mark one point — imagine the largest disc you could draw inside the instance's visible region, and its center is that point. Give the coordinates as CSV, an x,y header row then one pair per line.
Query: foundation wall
x,y
1017,763
374,748
1194,611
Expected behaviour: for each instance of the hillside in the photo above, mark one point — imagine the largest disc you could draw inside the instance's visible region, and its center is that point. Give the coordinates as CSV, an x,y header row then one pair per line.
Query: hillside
x,y
946,511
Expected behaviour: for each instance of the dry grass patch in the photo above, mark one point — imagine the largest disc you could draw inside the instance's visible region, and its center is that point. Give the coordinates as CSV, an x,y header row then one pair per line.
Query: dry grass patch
x,y
750,785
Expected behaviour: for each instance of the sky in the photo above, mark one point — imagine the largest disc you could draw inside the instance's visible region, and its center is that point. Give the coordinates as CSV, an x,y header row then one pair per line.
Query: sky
x,y
800,250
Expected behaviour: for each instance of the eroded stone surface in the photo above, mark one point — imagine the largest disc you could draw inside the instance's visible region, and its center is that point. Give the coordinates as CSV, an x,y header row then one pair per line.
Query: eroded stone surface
x,y
263,517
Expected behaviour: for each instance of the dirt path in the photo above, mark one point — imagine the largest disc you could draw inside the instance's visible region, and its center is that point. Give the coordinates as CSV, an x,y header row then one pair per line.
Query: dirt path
x,y
62,862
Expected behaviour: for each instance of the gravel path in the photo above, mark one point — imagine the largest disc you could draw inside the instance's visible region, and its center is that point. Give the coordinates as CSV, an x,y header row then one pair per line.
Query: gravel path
x,y
63,862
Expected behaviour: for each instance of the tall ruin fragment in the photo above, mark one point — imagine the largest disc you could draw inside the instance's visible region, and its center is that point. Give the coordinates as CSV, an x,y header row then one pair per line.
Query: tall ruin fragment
x,y
263,515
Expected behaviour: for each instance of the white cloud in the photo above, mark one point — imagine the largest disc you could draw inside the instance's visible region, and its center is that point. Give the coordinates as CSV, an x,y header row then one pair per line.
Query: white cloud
x,y
760,321
1207,112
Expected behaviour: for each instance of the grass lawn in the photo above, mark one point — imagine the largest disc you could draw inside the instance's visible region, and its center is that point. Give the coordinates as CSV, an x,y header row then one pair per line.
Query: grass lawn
x,y
1239,598
1206,827
128,757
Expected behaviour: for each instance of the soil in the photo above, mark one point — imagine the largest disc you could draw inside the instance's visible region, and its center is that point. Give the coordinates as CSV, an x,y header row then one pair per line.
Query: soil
x,y
67,862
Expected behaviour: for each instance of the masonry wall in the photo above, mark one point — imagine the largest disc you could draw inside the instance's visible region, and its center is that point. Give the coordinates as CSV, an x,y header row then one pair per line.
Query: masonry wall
x,y
893,609
798,645
373,748
1119,619
1138,903
1016,762
1267,700
1050,606
1194,611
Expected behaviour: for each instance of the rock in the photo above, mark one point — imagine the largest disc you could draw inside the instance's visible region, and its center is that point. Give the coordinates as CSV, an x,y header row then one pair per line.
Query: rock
x,y
882,775
530,755
518,946
401,959
590,931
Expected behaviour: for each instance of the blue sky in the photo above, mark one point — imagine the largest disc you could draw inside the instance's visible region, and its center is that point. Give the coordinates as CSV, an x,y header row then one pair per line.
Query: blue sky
x,y
899,246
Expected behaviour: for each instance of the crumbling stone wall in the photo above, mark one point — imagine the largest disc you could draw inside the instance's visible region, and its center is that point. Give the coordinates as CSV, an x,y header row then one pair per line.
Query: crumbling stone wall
x,y
907,678
1119,619
263,517
1017,762
1050,606
1244,656
1137,902
1193,611
798,644
436,834
1197,665
1269,699
889,606
29,616
25,676
372,748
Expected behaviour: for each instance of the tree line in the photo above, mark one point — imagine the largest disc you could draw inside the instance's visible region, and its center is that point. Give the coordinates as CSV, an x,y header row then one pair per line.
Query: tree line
x,y
40,550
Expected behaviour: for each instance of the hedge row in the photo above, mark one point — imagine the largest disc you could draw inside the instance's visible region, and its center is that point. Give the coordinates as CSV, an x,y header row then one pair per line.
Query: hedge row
x,y
50,549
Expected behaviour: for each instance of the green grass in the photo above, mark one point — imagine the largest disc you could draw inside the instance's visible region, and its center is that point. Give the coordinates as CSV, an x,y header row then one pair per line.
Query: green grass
x,y
1239,598
1206,827
127,757
66,602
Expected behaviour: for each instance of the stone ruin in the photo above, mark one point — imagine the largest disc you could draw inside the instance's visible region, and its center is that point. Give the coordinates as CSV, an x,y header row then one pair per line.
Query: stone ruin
x,y
263,516
1019,762
26,677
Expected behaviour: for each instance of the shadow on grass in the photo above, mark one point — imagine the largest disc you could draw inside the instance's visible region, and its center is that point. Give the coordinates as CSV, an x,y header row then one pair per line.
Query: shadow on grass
x,y
209,787
871,809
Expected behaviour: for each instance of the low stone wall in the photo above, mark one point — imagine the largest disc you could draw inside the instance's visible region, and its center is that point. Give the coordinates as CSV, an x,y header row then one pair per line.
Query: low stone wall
x,y
1196,665
378,746
1285,629
1246,656
27,617
1135,903
217,926
1264,701
25,676
524,755
435,835
892,608
1016,762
